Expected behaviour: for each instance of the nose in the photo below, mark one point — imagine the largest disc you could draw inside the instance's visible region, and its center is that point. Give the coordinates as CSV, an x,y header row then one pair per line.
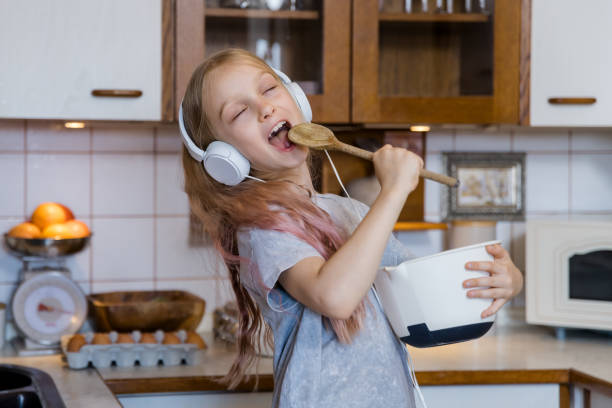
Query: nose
x,y
266,109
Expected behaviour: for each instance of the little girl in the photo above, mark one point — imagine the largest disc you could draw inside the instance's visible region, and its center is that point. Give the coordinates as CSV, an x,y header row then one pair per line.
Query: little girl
x,y
303,261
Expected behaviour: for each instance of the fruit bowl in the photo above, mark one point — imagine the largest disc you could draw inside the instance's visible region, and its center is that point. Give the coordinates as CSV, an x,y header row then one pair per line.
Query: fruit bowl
x,y
45,247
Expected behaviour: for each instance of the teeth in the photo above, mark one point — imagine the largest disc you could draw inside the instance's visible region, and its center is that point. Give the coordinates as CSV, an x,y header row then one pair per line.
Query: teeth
x,y
276,128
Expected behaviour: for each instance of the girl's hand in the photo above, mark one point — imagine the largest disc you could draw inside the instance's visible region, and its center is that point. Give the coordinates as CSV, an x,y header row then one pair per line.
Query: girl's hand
x,y
505,282
397,169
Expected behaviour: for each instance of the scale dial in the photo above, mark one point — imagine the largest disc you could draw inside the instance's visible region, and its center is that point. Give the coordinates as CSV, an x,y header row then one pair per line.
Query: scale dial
x,y
48,306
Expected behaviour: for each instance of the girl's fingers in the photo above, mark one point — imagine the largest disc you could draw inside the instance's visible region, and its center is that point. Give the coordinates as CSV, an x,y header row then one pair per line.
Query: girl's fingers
x,y
491,293
485,266
495,306
497,251
479,266
487,281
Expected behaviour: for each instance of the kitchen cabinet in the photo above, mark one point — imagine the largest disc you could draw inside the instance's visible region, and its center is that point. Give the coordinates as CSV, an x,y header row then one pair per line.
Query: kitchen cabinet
x,y
570,82
86,59
455,64
370,61
475,396
310,44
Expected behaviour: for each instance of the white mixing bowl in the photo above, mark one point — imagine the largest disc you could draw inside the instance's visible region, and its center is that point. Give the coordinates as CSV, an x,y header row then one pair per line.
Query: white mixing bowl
x,y
426,303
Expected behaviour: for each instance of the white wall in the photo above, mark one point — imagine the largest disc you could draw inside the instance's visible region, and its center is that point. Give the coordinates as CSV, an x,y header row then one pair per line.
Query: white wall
x,y
125,181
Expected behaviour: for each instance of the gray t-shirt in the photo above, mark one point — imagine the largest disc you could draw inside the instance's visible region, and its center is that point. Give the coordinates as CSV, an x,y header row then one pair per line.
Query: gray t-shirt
x,y
311,367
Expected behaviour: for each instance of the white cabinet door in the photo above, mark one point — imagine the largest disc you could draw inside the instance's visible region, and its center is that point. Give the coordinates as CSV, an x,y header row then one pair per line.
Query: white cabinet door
x,y
498,396
197,400
571,57
54,53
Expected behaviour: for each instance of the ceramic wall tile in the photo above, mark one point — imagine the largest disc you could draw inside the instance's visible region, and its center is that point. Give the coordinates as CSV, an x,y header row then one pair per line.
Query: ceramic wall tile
x,y
170,196
442,140
53,136
176,259
422,243
12,180
224,291
503,232
64,178
6,291
591,182
591,140
123,184
168,139
12,135
9,265
122,249
433,190
546,183
482,141
103,287
538,140
206,289
123,139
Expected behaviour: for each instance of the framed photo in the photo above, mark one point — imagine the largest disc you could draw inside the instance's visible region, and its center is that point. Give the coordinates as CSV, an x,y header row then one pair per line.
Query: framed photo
x,y
492,186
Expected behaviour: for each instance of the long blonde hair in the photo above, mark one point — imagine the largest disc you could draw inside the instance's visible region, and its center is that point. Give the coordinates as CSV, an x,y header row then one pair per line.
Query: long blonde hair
x,y
223,209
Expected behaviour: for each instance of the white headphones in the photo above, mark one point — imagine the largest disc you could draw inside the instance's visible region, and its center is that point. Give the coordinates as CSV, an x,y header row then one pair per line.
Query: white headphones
x,y
222,161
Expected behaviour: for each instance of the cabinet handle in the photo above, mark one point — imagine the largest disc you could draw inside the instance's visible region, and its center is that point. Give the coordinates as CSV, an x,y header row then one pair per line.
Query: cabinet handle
x,y
572,101
117,93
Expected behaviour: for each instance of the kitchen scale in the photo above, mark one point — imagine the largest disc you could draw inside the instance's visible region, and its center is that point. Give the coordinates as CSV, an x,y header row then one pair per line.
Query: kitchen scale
x,y
47,303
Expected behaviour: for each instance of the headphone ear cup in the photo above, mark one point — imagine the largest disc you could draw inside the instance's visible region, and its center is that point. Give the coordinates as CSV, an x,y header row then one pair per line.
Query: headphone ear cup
x,y
300,98
224,163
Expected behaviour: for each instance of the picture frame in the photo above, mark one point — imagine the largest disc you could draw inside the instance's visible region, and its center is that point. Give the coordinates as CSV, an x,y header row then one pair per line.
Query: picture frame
x,y
492,186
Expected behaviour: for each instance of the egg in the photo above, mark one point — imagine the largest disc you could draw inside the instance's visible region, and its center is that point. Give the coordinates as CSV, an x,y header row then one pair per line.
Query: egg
x,y
194,338
171,338
76,342
148,338
124,338
101,338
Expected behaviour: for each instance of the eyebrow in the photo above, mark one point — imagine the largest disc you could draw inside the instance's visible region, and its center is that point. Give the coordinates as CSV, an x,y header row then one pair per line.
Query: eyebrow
x,y
225,102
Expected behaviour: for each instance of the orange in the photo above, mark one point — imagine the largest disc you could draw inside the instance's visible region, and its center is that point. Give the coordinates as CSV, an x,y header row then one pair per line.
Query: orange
x,y
50,213
77,229
68,211
25,230
56,231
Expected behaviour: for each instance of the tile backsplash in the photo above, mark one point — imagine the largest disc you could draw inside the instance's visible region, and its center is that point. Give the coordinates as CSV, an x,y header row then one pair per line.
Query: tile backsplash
x,y
568,176
125,182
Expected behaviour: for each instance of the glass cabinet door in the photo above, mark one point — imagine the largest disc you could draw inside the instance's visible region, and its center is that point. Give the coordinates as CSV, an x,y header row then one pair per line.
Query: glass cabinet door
x,y
300,37
436,61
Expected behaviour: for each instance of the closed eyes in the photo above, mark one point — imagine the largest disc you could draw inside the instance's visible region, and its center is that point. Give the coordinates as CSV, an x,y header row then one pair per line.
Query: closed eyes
x,y
244,109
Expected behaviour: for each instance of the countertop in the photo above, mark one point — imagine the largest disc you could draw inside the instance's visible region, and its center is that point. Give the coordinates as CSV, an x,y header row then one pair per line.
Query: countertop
x,y
512,352
78,389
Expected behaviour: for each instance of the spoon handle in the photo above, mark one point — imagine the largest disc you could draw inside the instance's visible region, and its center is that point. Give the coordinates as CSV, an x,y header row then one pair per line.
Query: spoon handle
x,y
367,155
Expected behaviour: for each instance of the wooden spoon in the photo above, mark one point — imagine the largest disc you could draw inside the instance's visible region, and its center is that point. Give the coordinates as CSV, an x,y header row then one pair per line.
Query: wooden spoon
x,y
319,137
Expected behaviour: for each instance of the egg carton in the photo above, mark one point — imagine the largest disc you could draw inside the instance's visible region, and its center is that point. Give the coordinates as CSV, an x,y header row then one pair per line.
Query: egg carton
x,y
127,354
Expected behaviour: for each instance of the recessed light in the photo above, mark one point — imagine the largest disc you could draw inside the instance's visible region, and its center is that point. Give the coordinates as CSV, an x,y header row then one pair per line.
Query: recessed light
x,y
74,125
419,128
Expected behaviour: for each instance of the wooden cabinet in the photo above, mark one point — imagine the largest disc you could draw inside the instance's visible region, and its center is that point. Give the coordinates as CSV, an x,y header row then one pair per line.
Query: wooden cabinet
x,y
354,170
570,63
311,45
57,56
435,66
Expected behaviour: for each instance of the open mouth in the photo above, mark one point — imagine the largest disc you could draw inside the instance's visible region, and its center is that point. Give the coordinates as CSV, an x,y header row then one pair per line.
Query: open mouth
x,y
278,136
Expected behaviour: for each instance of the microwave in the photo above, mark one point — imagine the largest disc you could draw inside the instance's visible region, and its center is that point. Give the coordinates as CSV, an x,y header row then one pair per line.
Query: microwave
x,y
568,277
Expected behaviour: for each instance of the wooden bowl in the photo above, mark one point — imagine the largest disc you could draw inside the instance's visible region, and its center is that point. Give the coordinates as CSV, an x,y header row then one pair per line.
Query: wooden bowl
x,y
167,310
